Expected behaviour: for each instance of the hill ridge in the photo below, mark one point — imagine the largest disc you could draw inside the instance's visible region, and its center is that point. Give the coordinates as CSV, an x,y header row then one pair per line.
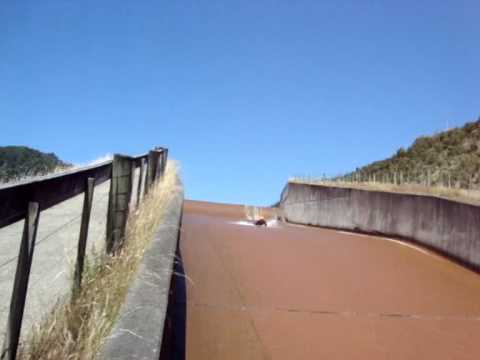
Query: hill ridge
x,y
18,162
449,158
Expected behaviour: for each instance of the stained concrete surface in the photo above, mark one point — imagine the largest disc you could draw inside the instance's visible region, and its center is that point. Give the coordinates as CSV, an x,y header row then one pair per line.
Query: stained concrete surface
x,y
296,292
447,226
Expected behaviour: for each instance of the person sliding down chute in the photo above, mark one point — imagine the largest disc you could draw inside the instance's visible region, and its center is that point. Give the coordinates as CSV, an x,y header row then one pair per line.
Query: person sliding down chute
x,y
261,222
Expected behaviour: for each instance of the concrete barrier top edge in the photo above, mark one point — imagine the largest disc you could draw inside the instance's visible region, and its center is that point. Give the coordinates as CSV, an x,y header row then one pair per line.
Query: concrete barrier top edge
x,y
393,193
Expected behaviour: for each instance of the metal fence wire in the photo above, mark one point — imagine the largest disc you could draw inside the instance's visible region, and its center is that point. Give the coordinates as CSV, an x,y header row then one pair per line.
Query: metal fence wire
x,y
27,200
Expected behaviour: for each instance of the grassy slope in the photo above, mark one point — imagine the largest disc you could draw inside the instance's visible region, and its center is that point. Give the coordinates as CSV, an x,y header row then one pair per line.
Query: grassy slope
x,y
450,157
446,164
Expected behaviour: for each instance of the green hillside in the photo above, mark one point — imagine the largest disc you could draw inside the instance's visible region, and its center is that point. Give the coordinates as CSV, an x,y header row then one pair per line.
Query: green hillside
x,y
450,158
20,161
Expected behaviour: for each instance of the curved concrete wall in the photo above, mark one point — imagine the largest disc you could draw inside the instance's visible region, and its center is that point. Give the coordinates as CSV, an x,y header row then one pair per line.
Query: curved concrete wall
x,y
447,226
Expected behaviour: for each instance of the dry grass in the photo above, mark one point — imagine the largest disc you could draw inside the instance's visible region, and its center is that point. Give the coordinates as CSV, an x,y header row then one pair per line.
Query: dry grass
x,y
76,328
470,196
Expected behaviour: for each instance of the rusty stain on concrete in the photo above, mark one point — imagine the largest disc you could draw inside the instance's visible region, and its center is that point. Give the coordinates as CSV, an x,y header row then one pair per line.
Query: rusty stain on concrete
x,y
293,292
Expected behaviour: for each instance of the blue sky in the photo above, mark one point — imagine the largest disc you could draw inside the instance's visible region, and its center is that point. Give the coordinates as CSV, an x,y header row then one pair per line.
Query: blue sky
x,y
244,93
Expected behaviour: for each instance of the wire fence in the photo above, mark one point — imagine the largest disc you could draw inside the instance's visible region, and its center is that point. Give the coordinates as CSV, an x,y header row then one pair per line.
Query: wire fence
x,y
129,181
435,183
429,177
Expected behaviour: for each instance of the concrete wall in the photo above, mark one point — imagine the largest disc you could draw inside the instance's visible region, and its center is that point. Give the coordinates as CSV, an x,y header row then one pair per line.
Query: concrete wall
x,y
138,331
447,226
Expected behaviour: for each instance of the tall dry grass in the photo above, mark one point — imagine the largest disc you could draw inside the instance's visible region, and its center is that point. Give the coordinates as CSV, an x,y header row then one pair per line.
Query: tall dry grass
x,y
77,327
470,196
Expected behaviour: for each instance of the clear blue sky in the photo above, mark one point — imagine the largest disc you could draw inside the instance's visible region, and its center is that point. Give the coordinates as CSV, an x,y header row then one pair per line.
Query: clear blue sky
x,y
244,93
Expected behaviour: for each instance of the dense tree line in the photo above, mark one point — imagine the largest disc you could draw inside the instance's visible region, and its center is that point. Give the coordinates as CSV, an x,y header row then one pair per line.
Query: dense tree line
x,y
20,161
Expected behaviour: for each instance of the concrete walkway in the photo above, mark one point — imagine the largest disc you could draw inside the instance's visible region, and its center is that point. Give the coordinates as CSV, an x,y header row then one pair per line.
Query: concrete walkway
x,y
55,254
294,292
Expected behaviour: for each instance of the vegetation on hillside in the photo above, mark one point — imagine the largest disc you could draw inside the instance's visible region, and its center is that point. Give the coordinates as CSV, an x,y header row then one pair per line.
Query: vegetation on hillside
x,y
446,164
450,159
18,162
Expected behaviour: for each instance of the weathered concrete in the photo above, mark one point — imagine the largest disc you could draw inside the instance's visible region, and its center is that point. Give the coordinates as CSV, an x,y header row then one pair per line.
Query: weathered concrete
x,y
447,226
139,330
288,292
54,258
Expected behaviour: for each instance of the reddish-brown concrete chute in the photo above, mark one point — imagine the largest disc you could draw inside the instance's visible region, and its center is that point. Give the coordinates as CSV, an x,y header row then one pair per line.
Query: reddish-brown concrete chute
x,y
295,292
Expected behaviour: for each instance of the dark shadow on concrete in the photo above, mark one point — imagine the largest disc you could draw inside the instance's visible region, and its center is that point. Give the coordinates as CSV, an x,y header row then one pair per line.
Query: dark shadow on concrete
x,y
174,335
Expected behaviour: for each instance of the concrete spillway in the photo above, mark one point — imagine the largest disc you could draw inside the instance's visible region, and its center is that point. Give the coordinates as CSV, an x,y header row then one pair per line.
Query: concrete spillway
x,y
295,292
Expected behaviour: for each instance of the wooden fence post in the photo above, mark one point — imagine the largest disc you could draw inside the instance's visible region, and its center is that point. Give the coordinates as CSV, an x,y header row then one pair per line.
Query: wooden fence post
x,y
82,239
134,169
153,157
159,170
147,176
20,286
118,202
140,180
165,160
